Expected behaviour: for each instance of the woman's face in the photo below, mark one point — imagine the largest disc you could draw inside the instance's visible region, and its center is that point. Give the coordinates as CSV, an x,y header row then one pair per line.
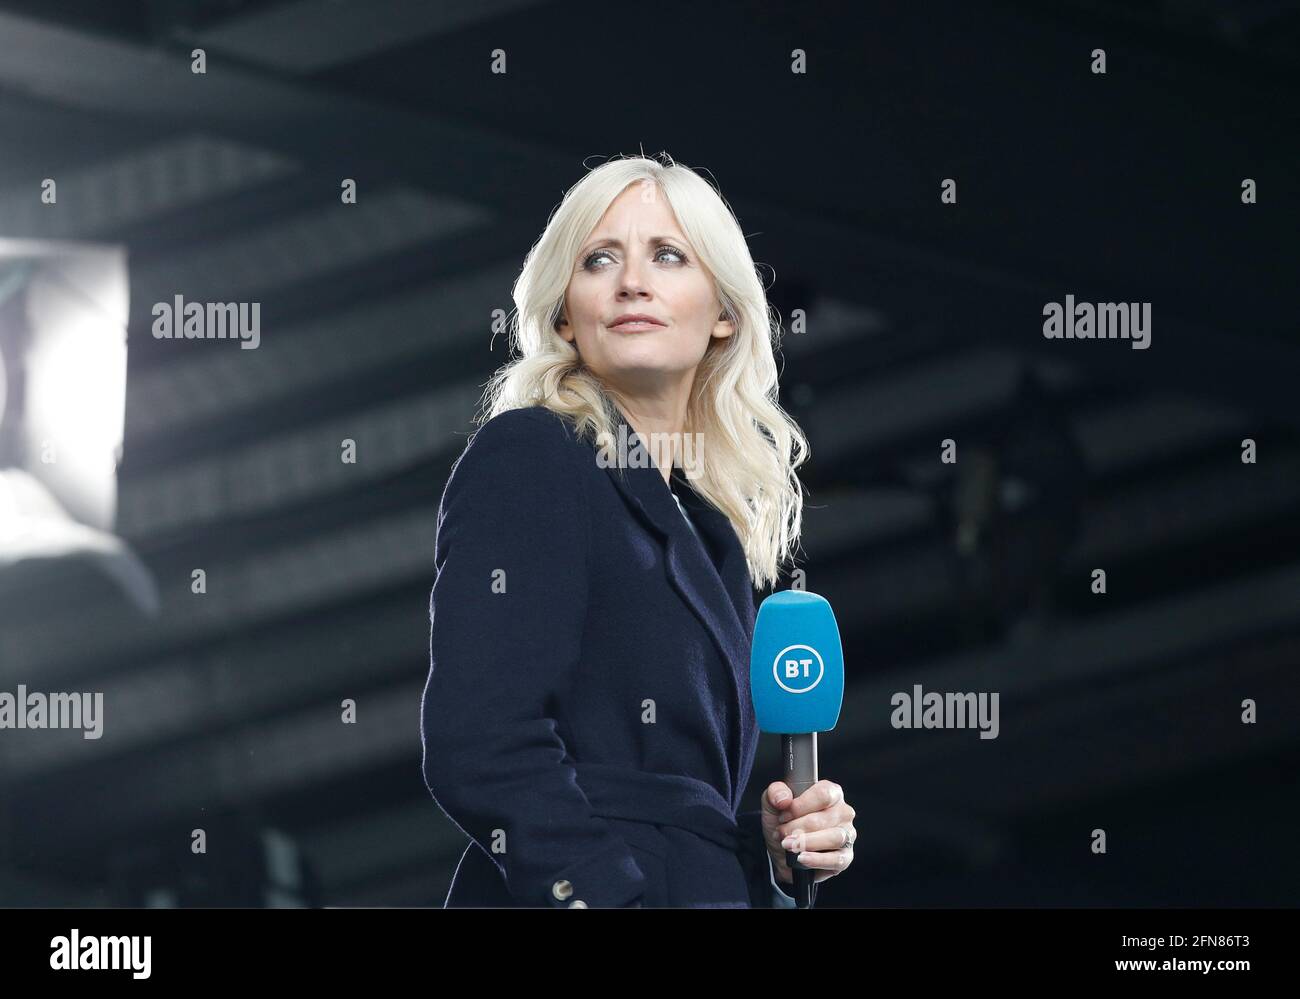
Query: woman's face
x,y
636,261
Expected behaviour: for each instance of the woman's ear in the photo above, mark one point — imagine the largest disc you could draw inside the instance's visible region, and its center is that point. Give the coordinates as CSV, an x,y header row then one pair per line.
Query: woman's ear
x,y
724,327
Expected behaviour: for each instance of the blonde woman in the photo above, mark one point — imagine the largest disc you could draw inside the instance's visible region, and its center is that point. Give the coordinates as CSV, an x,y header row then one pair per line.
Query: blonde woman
x,y
587,718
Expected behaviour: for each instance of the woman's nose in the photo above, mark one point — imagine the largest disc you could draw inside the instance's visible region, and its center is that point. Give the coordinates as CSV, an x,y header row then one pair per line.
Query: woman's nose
x,y
632,281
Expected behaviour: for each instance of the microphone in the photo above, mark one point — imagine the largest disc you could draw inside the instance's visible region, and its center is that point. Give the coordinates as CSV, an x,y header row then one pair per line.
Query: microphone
x,y
796,679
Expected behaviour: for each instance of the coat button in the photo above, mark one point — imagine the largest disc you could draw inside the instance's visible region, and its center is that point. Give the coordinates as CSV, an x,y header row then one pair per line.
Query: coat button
x,y
577,903
562,890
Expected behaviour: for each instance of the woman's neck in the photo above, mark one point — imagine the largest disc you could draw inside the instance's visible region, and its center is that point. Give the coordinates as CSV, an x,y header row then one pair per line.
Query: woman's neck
x,y
660,427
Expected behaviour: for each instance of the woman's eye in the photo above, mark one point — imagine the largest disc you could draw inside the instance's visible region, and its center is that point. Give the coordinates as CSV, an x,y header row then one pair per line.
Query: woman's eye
x,y
589,262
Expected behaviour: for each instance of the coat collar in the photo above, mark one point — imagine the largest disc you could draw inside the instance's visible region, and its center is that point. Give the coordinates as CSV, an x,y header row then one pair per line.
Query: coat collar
x,y
715,583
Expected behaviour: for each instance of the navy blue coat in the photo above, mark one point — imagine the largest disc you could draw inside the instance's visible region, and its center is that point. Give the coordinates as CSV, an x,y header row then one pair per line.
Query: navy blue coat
x,y
587,719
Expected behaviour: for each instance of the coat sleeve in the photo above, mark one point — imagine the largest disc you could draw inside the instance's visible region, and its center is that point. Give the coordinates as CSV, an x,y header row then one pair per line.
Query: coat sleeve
x,y
506,624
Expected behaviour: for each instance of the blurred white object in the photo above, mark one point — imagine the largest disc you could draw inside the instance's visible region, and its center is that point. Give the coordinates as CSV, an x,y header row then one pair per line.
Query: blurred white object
x,y
34,526
63,316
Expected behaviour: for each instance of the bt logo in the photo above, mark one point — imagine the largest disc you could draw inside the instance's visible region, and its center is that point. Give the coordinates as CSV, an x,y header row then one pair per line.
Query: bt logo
x,y
797,669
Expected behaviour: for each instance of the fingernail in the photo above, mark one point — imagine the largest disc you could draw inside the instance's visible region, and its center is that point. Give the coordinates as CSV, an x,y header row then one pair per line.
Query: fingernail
x,y
788,842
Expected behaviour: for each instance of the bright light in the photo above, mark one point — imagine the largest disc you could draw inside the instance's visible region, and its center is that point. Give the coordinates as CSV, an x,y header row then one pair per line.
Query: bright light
x,y
61,498
76,381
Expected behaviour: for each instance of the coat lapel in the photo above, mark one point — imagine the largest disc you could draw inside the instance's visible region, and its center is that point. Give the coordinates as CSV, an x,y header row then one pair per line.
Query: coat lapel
x,y
725,549
720,595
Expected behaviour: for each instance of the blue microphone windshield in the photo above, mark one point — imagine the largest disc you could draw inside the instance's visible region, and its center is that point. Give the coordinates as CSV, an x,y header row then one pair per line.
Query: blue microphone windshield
x,y
796,665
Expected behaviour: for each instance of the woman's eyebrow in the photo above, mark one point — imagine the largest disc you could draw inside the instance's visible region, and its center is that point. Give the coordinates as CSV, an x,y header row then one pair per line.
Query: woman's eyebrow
x,y
611,241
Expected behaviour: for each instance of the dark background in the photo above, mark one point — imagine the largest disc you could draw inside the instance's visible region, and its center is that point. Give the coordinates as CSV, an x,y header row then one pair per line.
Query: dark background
x,y
1118,711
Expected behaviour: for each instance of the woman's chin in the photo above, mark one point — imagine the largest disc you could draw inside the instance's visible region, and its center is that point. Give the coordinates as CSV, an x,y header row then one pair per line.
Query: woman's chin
x,y
644,377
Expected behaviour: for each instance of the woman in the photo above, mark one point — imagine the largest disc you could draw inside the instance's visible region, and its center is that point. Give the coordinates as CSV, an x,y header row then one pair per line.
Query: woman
x,y
587,718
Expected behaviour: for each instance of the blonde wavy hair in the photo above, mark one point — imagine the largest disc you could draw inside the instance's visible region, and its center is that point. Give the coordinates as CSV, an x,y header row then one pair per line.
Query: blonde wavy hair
x,y
753,445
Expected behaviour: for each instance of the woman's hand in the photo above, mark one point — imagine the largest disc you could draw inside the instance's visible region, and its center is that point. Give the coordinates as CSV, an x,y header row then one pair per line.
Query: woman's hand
x,y
818,825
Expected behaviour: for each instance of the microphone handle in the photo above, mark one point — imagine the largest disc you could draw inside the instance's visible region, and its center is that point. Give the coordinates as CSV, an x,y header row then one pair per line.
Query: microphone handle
x,y
799,753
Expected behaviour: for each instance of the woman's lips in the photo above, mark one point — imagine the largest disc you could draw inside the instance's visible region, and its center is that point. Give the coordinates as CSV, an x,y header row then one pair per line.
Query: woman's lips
x,y
637,326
